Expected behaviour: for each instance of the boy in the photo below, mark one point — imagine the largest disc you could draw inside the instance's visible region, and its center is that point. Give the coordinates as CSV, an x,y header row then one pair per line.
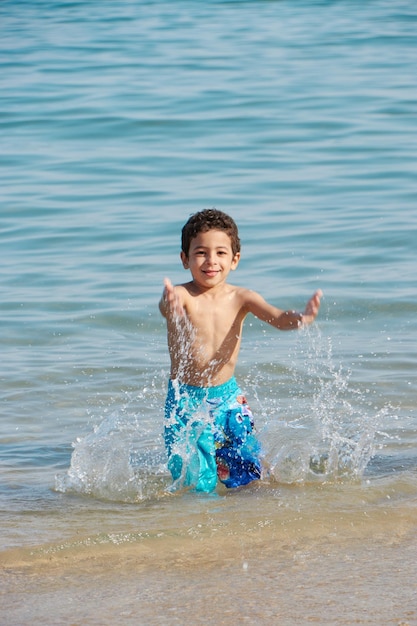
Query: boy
x,y
208,424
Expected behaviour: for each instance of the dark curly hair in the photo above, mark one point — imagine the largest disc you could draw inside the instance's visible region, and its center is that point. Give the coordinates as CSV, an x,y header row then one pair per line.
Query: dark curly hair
x,y
209,219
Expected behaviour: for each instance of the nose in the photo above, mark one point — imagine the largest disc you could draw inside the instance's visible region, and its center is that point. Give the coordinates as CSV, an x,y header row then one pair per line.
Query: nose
x,y
211,258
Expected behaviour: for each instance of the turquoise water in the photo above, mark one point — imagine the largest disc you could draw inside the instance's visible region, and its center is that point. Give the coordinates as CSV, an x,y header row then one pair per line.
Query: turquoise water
x,y
120,119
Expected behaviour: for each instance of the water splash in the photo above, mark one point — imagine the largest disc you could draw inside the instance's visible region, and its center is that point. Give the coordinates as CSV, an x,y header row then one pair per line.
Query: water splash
x,y
334,434
119,459
330,433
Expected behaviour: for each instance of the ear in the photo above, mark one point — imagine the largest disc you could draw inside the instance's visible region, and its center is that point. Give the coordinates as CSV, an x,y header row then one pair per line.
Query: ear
x,y
184,259
235,261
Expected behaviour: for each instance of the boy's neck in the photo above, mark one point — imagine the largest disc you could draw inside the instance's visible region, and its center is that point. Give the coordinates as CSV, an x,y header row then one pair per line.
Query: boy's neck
x,y
200,290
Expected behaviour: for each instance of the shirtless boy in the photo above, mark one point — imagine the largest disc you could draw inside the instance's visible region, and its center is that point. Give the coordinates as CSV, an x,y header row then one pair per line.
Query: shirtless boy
x,y
209,428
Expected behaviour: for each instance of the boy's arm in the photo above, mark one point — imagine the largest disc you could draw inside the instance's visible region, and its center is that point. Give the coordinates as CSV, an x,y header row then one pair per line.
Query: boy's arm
x,y
170,303
283,320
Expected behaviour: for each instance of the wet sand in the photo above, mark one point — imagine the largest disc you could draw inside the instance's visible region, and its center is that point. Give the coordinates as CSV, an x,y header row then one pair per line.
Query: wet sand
x,y
337,570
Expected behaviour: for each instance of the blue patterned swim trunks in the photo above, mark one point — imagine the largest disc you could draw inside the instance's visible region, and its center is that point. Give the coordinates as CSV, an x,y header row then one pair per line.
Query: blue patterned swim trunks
x,y
209,436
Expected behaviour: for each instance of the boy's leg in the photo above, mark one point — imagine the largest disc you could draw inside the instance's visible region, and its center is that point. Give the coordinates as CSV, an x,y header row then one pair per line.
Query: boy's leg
x,y
238,450
189,443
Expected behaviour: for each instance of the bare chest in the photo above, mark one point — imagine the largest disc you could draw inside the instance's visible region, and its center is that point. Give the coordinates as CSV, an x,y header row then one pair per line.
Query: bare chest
x,y
217,326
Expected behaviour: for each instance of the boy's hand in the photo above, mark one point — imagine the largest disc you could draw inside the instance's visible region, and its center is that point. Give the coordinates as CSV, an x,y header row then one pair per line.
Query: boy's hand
x,y
171,300
312,308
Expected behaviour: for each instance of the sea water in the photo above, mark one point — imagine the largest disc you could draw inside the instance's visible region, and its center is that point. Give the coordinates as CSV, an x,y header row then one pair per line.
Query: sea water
x,y
118,120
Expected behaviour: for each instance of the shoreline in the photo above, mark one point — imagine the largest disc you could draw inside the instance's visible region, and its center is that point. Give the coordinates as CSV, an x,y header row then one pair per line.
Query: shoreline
x,y
208,540
333,574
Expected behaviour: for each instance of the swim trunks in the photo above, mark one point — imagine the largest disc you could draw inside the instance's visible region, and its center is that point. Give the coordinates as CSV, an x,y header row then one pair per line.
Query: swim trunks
x,y
209,436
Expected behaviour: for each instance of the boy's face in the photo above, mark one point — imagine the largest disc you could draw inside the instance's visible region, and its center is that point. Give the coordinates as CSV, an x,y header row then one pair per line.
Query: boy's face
x,y
210,258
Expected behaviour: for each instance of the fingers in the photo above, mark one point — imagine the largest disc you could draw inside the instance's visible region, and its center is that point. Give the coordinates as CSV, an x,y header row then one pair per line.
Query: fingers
x,y
168,286
313,306
315,300
316,297
171,298
169,292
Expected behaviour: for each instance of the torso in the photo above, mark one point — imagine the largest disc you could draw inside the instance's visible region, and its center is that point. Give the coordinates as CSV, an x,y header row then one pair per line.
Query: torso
x,y
205,344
